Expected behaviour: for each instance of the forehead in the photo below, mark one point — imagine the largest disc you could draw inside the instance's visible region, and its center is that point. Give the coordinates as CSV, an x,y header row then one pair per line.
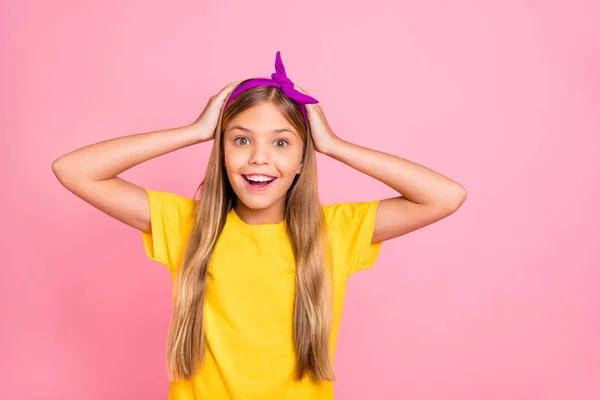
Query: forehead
x,y
261,118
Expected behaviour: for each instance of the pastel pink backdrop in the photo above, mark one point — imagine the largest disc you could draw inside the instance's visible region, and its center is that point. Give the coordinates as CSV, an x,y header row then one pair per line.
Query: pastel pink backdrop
x,y
498,301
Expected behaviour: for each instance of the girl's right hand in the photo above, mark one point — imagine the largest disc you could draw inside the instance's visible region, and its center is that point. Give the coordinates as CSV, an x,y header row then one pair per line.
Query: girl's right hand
x,y
206,124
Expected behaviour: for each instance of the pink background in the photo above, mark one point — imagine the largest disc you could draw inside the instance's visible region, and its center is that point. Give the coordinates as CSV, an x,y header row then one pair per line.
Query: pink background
x,y
498,301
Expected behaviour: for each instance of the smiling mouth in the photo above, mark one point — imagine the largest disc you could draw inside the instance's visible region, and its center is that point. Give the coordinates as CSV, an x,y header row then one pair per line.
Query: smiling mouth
x,y
263,183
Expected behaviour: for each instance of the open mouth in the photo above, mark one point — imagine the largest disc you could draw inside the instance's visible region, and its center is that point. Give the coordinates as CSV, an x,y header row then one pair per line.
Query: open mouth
x,y
259,182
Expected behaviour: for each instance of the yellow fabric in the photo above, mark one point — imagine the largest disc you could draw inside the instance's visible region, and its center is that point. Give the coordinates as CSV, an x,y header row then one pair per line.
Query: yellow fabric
x,y
250,297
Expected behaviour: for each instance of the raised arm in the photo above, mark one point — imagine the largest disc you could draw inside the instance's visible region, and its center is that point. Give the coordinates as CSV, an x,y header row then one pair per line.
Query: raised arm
x,y
425,196
91,171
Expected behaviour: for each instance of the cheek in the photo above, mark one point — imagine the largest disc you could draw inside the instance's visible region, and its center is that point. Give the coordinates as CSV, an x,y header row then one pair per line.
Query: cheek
x,y
288,164
234,159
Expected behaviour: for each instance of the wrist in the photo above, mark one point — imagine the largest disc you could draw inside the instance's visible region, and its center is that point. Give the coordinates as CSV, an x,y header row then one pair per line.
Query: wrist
x,y
197,133
333,146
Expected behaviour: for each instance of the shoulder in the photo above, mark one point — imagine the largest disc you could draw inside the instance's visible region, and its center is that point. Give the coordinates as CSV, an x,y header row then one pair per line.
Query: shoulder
x,y
171,211
350,228
349,213
168,202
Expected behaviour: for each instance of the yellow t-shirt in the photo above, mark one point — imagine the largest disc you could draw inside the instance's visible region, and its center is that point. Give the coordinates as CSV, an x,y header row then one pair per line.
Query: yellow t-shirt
x,y
250,296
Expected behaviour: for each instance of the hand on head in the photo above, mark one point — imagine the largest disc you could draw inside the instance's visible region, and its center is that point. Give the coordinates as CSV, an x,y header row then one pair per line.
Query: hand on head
x,y
206,124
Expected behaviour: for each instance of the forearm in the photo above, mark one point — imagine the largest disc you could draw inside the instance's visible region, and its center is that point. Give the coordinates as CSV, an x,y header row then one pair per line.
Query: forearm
x,y
109,158
417,183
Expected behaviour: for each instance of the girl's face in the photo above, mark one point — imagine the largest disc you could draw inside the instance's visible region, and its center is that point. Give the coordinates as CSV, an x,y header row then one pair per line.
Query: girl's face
x,y
263,154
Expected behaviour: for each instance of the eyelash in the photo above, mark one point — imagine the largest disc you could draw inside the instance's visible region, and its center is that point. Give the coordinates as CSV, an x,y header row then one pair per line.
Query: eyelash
x,y
243,137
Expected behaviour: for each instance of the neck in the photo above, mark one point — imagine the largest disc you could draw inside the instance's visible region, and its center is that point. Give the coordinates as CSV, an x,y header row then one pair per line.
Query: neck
x,y
270,215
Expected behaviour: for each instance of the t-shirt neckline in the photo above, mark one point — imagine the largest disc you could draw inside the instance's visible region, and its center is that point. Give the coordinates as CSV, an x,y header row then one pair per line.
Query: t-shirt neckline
x,y
235,218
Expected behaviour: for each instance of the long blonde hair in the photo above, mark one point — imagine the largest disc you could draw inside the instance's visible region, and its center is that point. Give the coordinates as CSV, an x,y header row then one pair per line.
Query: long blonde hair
x,y
307,232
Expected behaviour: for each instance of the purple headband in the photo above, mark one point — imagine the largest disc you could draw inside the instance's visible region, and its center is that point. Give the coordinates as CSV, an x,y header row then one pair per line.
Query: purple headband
x,y
278,79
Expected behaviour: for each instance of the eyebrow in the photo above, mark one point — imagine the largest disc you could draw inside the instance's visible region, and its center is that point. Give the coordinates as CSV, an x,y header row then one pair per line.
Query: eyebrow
x,y
249,130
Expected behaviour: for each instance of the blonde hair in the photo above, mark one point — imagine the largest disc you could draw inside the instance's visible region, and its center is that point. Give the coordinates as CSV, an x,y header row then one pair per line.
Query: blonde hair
x,y
307,232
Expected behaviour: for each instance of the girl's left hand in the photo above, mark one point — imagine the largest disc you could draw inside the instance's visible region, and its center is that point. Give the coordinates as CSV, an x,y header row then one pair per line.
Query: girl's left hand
x,y
322,135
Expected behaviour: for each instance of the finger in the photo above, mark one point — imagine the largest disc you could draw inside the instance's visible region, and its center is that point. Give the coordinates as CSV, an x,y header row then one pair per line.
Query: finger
x,y
231,86
228,89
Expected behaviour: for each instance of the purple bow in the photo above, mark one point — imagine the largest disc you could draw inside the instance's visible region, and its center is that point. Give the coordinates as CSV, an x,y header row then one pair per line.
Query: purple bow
x,y
280,80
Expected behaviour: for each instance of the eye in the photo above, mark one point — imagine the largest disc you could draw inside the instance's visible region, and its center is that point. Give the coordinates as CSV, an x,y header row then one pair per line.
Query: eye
x,y
281,141
242,138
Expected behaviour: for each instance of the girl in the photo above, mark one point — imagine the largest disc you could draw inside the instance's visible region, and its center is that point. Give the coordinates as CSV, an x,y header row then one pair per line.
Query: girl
x,y
259,266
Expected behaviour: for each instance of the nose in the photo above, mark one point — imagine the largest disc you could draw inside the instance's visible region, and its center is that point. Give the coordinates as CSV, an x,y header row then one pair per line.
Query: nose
x,y
259,154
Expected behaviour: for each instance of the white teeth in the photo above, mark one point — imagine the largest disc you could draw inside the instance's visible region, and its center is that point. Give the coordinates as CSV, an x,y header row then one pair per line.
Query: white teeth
x,y
258,178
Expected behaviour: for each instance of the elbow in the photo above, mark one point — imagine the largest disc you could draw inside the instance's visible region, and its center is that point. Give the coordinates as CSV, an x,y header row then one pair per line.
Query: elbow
x,y
56,167
458,199
61,171
450,203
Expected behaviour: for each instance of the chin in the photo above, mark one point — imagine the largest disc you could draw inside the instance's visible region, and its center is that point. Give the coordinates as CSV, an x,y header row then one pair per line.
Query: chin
x,y
255,205
257,201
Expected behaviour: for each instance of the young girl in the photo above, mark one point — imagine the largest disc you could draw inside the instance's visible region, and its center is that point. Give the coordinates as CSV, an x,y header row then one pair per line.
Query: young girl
x,y
259,266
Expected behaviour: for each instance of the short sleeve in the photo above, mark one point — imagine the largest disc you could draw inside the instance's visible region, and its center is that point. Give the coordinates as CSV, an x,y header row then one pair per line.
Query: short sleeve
x,y
171,219
351,226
